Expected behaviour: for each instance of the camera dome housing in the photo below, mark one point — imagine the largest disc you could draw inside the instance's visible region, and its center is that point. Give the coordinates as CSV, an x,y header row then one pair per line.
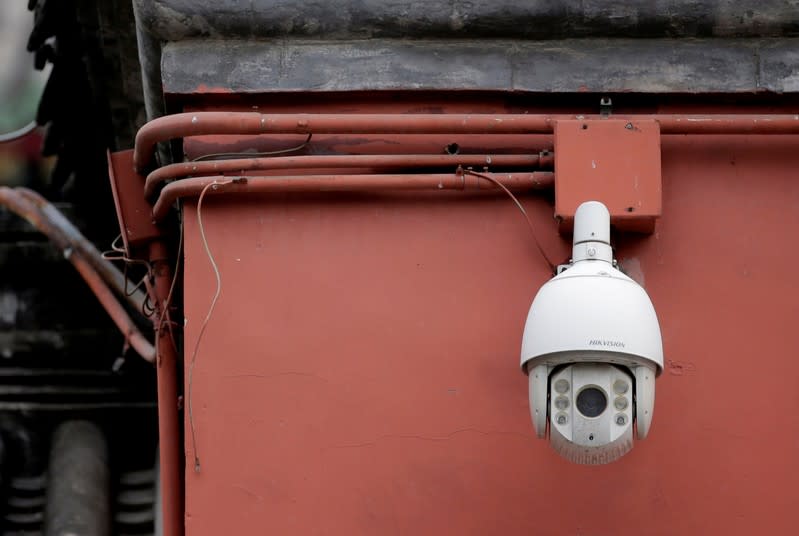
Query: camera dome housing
x,y
592,314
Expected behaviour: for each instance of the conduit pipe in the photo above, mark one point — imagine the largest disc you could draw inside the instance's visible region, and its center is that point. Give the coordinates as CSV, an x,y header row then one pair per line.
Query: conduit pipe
x,y
170,439
200,123
239,165
537,180
252,123
23,207
75,239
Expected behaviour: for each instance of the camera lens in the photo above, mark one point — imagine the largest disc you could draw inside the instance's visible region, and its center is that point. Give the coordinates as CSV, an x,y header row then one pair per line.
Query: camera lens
x,y
561,386
561,402
620,387
591,402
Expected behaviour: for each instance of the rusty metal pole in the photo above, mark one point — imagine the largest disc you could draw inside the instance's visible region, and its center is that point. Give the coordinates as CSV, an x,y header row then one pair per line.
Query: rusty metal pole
x,y
169,431
57,221
21,205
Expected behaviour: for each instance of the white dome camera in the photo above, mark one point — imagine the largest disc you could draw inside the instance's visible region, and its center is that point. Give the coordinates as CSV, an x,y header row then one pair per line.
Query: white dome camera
x,y
592,350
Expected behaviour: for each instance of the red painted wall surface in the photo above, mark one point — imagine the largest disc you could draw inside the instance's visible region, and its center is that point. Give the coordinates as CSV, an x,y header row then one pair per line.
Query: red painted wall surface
x,y
360,374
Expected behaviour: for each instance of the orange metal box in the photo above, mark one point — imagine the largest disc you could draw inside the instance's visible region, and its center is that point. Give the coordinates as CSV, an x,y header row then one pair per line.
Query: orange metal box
x,y
610,160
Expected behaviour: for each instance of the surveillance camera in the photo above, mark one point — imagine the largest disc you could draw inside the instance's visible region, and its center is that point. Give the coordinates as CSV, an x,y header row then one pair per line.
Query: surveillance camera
x,y
592,350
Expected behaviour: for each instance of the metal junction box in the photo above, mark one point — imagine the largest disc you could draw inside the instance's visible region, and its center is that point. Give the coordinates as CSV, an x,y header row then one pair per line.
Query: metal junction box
x,y
614,161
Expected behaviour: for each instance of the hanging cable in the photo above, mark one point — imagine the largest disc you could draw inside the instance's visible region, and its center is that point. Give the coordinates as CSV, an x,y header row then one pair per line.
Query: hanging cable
x,y
519,206
193,361
222,156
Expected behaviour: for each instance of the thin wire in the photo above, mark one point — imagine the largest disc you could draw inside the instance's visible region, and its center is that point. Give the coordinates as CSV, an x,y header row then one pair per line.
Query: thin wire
x,y
14,135
141,282
222,156
118,254
147,310
115,246
213,184
114,255
521,208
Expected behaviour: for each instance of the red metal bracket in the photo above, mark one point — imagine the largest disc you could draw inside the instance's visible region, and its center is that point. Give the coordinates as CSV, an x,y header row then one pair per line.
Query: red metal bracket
x,y
133,210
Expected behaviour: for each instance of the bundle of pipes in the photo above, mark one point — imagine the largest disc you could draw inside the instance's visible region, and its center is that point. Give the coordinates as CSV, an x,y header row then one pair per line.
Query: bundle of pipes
x,y
241,123
211,171
246,123
240,165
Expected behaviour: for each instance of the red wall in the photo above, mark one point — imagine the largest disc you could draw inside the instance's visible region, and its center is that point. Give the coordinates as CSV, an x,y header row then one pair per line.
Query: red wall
x,y
360,374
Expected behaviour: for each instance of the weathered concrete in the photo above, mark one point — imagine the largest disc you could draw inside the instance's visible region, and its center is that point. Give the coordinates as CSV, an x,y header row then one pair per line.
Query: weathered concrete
x,y
597,65
174,20
666,46
779,66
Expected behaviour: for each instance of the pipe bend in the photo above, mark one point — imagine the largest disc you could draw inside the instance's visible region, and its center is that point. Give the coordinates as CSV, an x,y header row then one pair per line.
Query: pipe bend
x,y
537,180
